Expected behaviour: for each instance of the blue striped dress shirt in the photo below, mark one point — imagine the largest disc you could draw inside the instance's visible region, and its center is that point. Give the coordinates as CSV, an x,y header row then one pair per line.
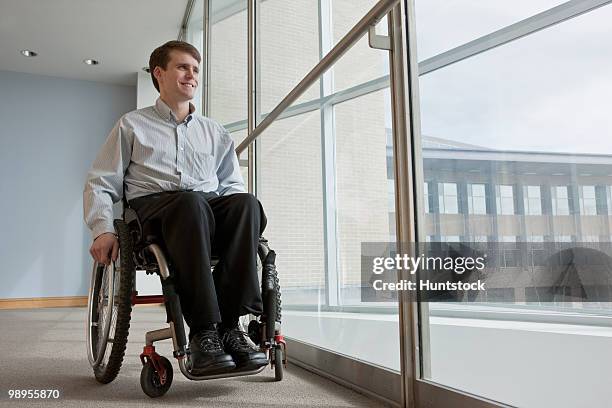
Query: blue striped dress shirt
x,y
150,152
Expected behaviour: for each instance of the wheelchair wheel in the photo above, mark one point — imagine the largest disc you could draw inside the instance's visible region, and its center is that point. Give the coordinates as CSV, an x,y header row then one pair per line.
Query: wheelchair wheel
x,y
109,310
150,381
278,364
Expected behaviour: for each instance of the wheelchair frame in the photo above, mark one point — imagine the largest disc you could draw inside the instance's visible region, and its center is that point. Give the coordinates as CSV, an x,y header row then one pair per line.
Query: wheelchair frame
x,y
109,315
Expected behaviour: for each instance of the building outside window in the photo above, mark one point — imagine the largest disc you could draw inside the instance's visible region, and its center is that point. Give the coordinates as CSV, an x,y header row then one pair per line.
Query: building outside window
x,y
448,198
477,201
588,201
533,200
560,200
505,200
609,199
426,197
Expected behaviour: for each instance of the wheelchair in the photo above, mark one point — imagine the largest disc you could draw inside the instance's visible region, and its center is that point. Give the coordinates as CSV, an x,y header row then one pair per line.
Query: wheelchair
x,y
112,294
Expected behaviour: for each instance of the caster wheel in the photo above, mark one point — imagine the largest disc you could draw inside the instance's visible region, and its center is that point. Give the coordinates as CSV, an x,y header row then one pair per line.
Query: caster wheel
x,y
150,381
278,364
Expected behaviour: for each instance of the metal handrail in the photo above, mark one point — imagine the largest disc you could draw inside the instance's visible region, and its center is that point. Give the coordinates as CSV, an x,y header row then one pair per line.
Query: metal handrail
x,y
376,13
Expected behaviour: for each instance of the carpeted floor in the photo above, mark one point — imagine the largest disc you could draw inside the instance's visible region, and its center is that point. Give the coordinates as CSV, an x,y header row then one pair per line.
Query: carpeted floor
x,y
45,349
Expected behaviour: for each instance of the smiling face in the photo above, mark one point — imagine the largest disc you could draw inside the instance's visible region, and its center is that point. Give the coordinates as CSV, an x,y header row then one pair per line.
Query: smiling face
x,y
179,80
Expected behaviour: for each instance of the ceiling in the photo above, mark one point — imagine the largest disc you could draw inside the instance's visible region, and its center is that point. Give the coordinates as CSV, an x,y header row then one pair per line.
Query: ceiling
x,y
119,33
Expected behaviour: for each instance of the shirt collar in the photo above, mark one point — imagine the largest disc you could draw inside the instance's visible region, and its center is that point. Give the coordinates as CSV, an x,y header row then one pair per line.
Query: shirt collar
x,y
164,111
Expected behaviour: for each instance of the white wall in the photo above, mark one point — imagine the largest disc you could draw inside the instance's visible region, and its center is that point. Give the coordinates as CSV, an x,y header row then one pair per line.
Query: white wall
x,y
50,132
147,94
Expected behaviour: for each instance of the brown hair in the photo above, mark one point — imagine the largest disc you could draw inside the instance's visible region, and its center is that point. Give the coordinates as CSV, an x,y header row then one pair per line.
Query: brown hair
x,y
161,55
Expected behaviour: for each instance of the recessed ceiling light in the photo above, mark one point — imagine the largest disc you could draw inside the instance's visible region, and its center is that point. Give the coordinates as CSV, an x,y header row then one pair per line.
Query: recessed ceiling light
x,y
91,61
28,53
146,69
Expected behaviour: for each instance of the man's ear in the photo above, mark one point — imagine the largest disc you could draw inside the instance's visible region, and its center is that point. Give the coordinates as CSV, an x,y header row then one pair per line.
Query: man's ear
x,y
157,72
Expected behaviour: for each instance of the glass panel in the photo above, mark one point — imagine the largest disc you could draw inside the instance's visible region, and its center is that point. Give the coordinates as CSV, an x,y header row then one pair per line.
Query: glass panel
x,y
364,212
361,63
533,202
520,121
322,306
442,24
535,107
289,48
238,137
426,197
477,199
587,200
228,59
448,198
560,201
505,200
290,189
194,36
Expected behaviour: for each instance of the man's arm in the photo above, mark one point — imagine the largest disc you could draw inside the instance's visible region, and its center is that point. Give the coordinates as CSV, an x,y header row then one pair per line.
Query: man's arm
x,y
228,172
104,185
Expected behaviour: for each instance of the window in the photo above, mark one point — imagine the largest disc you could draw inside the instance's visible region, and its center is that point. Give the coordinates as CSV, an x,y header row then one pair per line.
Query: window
x,y
560,200
426,197
448,198
466,108
609,199
533,200
391,193
505,200
588,202
477,202
509,253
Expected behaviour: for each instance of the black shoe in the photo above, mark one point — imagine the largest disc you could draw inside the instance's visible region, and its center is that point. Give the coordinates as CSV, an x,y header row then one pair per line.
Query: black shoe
x,y
245,356
207,355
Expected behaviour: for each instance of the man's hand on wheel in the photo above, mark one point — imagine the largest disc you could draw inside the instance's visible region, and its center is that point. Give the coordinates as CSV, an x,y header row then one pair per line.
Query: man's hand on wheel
x,y
103,245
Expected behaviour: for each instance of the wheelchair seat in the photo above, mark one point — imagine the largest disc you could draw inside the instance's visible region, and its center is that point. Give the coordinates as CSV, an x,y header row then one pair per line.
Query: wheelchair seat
x,y
142,241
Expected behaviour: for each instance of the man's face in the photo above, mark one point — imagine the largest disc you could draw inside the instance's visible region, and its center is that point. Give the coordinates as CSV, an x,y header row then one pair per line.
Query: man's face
x,y
180,78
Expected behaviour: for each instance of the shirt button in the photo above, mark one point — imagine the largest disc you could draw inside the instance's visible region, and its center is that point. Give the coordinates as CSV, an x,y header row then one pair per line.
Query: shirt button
x,y
182,148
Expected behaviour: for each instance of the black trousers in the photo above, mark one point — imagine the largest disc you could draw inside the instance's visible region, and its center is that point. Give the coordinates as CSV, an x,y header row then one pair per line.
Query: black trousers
x,y
195,225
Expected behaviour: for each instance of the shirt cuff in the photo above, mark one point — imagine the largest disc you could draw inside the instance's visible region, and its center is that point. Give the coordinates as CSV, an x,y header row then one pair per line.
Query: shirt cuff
x,y
101,229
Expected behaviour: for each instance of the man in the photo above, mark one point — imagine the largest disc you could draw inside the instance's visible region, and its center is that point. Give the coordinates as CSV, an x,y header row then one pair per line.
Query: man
x,y
182,177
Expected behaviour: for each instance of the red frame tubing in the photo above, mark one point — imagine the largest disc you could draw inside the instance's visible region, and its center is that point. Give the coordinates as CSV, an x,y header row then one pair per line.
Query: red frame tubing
x,y
149,354
146,299
280,339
